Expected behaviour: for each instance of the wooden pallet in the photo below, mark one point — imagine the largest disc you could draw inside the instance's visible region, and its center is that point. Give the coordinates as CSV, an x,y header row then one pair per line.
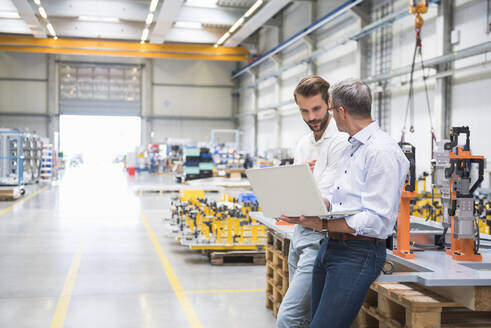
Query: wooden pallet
x,y
277,242
238,258
10,193
277,279
397,305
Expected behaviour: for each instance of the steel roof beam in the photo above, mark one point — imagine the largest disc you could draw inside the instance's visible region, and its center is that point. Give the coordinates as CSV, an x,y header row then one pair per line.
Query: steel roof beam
x,y
165,20
27,14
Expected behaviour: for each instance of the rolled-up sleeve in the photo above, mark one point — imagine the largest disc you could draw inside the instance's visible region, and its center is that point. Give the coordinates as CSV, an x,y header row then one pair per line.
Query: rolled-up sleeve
x,y
380,196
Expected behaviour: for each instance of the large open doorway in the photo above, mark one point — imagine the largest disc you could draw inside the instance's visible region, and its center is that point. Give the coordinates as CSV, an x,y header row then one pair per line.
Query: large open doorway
x,y
98,140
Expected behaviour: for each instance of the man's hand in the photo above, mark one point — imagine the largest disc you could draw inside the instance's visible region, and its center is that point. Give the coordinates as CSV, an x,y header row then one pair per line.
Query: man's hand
x,y
290,219
327,203
311,222
312,165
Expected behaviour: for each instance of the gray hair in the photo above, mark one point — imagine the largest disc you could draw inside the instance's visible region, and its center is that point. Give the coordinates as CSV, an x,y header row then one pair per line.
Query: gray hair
x,y
354,96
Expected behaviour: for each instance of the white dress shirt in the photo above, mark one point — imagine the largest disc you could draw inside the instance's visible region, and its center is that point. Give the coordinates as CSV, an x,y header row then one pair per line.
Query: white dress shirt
x,y
369,178
326,151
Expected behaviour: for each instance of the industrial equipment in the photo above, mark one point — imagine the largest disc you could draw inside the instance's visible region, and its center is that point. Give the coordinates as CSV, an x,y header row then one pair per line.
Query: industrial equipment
x,y
11,157
460,210
205,224
408,192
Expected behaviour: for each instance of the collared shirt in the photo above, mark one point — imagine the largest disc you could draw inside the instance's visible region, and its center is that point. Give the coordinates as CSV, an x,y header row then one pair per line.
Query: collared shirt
x,y
370,178
326,151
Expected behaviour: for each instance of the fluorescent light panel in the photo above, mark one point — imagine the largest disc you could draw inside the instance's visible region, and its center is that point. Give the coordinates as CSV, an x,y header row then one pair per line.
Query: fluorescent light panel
x,y
202,3
153,5
9,14
149,19
253,8
51,29
42,12
237,25
187,24
144,34
98,19
223,38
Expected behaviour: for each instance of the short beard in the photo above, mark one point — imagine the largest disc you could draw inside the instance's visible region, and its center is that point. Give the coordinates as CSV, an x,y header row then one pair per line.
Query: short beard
x,y
323,125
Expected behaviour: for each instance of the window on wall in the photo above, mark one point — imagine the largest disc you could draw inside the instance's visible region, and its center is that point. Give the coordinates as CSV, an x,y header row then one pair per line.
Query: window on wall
x,y
100,89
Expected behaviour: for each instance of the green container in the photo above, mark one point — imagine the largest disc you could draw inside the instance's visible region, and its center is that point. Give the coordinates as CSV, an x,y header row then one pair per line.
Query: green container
x,y
206,166
191,169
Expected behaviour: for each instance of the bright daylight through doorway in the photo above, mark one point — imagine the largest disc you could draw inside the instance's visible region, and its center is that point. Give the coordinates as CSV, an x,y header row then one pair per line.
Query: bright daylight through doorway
x,y
98,140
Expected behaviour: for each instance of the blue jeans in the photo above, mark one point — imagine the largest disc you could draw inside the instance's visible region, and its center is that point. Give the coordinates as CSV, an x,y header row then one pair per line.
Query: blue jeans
x,y
343,273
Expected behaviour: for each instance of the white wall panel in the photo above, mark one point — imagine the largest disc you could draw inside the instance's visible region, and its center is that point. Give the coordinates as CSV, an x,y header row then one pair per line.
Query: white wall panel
x,y
267,135
296,17
23,97
37,125
421,138
246,136
192,72
186,101
292,129
197,131
23,65
470,20
471,106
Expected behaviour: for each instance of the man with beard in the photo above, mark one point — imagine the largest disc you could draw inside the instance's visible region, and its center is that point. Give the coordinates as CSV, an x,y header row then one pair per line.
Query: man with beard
x,y
321,149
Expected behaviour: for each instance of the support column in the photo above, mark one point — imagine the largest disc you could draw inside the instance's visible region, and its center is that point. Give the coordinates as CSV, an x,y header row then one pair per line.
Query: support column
x,y
146,102
442,103
254,110
53,124
278,85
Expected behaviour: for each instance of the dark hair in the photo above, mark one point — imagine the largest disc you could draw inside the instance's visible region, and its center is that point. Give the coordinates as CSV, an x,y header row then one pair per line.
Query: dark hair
x,y
354,96
312,85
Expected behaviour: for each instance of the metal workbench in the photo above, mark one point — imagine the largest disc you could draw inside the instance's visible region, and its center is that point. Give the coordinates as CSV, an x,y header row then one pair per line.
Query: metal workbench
x,y
432,268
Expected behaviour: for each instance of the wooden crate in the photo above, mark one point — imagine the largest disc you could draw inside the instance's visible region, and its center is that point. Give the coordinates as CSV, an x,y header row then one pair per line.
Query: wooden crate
x,y
277,279
398,305
277,242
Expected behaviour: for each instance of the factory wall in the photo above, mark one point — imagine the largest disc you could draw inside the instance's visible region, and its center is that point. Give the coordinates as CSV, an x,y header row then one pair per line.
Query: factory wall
x,y
183,89
173,92
469,95
23,91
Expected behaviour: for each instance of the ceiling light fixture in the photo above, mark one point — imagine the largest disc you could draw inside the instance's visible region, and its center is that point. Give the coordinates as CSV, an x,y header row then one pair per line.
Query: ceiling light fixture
x,y
188,24
149,19
38,2
253,8
42,12
9,14
239,22
153,5
202,3
144,34
51,29
237,25
98,19
55,38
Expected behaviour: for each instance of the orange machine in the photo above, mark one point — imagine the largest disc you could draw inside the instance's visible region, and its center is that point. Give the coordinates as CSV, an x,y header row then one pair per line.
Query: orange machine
x,y
464,232
408,192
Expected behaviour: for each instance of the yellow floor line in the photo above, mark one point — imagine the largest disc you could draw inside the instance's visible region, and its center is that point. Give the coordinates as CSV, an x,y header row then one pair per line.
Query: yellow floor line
x,y
66,294
2,212
253,290
174,281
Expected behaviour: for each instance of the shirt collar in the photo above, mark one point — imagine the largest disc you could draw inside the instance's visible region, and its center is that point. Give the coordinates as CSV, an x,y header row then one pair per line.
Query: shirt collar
x,y
364,134
329,132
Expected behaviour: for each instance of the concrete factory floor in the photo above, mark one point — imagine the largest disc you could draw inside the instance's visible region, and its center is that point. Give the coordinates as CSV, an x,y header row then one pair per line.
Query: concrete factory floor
x,y
90,252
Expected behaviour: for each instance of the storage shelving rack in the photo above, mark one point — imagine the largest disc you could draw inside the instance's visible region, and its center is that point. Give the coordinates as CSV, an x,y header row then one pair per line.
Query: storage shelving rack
x,y
11,157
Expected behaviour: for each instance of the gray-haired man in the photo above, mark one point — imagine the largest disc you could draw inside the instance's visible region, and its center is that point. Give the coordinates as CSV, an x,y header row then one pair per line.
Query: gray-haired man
x,y
369,179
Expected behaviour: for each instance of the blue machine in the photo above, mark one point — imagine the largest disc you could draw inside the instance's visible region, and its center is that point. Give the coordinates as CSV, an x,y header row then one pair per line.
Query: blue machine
x,y
11,157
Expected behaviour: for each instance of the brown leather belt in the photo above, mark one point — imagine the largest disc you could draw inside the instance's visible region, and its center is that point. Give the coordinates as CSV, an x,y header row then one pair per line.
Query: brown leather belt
x,y
347,236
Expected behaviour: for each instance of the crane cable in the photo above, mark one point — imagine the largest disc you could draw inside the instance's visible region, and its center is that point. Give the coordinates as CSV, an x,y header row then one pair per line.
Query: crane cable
x,y
418,22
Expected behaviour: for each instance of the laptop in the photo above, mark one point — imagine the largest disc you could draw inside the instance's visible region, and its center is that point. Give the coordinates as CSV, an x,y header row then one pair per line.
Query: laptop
x,y
291,191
